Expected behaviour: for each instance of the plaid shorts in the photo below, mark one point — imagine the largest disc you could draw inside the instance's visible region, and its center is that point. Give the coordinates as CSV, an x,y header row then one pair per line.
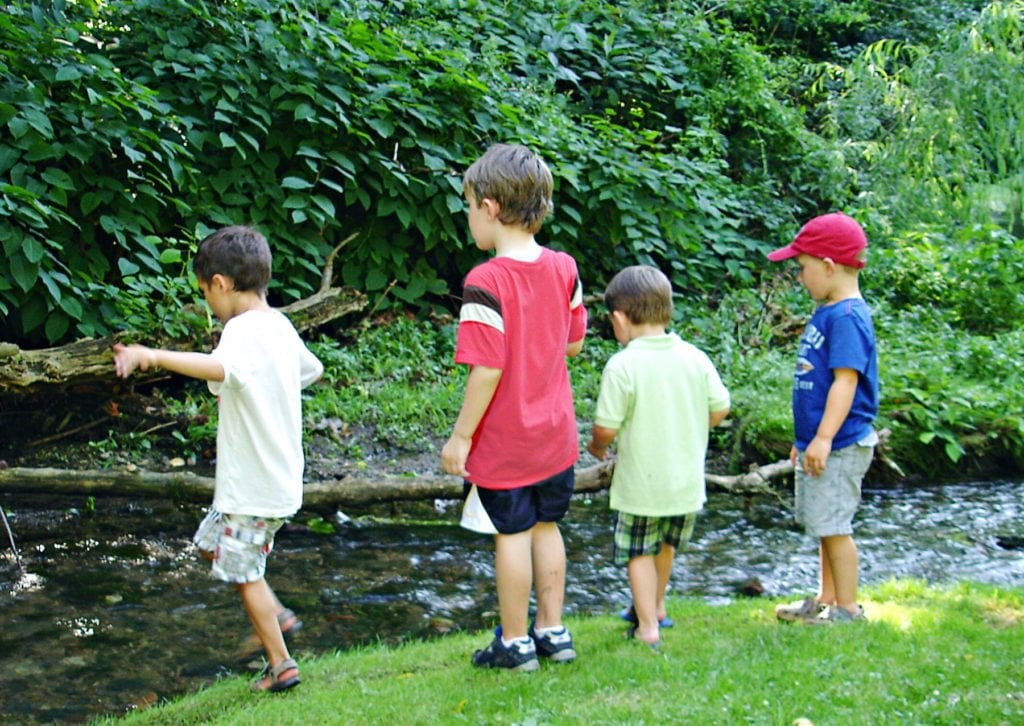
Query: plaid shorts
x,y
637,536
239,544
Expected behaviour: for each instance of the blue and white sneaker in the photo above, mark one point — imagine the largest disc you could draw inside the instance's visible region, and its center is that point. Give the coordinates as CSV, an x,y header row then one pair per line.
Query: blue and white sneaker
x,y
555,645
521,655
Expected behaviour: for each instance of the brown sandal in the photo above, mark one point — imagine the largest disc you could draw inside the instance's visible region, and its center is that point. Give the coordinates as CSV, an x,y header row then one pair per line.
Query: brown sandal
x,y
277,678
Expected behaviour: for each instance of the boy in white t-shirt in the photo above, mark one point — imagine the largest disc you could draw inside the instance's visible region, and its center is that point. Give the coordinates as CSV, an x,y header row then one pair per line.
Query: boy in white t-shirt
x,y
257,371
659,395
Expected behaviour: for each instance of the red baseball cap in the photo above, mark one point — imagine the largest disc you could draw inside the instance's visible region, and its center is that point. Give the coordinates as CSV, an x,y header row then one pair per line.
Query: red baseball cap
x,y
835,236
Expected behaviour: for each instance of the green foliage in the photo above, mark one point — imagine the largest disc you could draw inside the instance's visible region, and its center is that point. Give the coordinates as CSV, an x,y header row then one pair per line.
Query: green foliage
x,y
933,131
939,397
398,379
136,127
973,276
89,163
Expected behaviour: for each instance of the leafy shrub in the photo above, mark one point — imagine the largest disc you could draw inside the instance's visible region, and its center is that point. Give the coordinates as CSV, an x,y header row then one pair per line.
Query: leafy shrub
x,y
974,276
134,128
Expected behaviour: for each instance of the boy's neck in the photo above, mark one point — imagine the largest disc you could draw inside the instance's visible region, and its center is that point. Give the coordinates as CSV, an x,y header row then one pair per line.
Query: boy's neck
x,y
846,288
517,244
247,301
645,330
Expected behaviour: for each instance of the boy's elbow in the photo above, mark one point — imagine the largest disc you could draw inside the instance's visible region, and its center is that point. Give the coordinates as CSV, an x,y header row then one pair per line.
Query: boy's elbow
x,y
573,349
717,417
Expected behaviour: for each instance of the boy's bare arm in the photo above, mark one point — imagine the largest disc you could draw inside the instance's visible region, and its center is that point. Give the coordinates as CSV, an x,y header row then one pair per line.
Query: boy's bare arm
x,y
837,408
480,388
717,417
573,349
601,438
128,358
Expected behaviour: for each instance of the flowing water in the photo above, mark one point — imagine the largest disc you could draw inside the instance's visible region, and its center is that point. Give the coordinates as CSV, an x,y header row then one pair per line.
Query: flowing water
x,y
114,611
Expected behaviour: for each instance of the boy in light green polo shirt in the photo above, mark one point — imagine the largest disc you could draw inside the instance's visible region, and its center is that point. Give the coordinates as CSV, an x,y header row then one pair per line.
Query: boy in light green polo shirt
x,y
660,396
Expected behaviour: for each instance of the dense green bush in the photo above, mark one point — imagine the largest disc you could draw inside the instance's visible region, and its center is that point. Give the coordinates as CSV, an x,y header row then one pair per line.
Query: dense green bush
x,y
131,128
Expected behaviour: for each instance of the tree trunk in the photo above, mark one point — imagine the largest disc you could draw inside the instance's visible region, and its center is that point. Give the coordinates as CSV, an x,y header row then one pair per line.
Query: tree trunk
x,y
349,492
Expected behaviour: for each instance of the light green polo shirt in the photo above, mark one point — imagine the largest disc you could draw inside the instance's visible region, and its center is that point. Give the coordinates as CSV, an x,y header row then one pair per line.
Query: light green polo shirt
x,y
658,392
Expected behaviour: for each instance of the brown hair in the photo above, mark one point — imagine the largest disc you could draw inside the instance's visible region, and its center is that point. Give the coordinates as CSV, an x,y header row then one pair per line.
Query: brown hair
x,y
643,293
240,253
517,179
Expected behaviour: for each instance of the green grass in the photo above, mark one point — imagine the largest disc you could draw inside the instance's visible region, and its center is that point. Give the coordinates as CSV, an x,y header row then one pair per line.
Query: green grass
x,y
928,655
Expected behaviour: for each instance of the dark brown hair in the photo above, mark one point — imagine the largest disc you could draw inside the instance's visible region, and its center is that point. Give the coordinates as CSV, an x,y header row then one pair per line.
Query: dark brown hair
x,y
238,252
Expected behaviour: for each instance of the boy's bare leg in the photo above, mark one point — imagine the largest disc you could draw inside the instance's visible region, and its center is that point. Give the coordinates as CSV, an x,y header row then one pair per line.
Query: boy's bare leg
x,y
643,581
261,605
826,584
663,564
549,573
513,571
841,553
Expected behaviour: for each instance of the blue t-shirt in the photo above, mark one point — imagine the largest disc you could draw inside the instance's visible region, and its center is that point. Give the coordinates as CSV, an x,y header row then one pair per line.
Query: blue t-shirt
x,y
840,335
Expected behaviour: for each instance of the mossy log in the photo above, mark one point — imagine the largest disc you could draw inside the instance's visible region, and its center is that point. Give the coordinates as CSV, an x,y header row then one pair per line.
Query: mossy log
x,y
92,359
348,492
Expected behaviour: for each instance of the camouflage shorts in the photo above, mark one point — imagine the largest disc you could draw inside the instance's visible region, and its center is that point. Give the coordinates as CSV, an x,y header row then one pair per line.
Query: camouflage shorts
x,y
238,543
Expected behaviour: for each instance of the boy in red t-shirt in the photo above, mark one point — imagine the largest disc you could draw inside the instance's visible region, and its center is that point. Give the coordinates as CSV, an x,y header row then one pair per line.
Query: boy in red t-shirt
x,y
515,440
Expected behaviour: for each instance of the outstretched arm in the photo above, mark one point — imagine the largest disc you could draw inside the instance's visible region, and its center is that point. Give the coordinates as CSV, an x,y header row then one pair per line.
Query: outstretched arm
x,y
128,358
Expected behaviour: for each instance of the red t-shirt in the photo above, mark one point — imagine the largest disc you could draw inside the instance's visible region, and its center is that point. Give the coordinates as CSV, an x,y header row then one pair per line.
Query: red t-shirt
x,y
519,316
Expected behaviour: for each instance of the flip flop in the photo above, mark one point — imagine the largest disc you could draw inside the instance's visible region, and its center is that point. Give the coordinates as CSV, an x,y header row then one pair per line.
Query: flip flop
x,y
629,615
272,679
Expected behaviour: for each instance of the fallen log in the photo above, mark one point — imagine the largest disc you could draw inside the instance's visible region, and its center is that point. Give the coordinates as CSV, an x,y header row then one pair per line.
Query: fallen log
x,y
93,359
347,492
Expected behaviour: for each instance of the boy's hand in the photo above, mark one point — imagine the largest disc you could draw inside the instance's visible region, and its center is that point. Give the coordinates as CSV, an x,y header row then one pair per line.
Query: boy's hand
x,y
816,456
454,455
129,357
598,452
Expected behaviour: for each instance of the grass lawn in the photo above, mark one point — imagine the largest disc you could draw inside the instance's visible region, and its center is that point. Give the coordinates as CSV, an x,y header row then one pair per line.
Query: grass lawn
x,y
928,656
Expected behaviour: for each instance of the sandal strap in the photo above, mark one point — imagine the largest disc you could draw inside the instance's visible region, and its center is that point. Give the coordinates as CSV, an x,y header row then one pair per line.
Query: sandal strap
x,y
286,664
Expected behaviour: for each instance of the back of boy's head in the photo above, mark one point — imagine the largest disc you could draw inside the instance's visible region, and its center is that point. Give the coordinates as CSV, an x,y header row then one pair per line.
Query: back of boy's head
x,y
643,293
517,179
240,253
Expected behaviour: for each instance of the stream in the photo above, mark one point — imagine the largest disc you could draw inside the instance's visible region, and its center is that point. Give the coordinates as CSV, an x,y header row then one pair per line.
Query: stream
x,y
116,612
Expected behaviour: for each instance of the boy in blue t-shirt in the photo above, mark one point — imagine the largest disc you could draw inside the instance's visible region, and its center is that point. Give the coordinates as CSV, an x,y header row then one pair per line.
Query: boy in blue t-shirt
x,y
835,400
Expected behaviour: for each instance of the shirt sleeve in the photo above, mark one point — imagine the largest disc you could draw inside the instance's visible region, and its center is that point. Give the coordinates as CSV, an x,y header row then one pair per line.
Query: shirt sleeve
x,y
718,394
480,339
577,311
232,353
849,344
310,367
613,400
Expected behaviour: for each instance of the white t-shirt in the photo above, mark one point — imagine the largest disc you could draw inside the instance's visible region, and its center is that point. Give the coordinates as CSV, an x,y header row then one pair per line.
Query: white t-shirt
x,y
259,428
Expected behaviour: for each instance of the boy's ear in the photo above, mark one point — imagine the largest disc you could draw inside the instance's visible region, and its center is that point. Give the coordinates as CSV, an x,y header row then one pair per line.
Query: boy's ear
x,y
492,207
222,282
620,317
